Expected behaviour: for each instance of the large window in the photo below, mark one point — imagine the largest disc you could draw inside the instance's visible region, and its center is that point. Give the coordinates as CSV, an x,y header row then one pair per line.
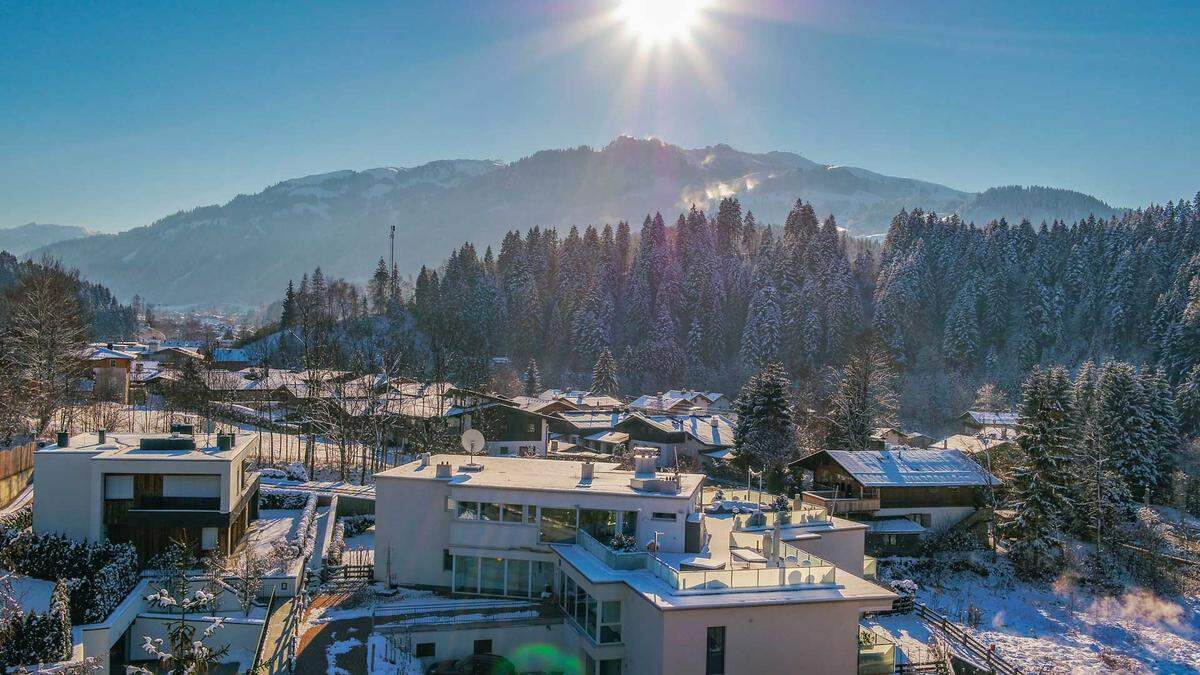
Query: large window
x,y
600,524
512,513
558,526
491,576
489,512
501,576
714,663
610,621
468,510
599,620
629,523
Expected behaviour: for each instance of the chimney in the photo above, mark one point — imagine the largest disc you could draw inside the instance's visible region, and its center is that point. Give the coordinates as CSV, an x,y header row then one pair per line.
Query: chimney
x,y
64,439
443,470
587,470
224,442
101,436
424,460
645,461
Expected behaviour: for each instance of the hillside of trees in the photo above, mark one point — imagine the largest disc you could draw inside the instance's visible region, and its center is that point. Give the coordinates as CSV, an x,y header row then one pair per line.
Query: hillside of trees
x,y
708,299
103,316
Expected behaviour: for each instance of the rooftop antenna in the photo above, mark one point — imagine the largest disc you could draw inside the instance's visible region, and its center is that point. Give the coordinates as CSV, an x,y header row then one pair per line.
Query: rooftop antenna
x,y
472,442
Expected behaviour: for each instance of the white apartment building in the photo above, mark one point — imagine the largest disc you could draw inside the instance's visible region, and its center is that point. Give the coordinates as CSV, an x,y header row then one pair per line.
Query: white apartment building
x,y
710,595
148,489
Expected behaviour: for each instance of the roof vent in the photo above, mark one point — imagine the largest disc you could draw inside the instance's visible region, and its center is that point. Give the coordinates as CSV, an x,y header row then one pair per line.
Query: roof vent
x,y
645,461
424,460
188,429
101,436
224,442
64,439
443,470
587,471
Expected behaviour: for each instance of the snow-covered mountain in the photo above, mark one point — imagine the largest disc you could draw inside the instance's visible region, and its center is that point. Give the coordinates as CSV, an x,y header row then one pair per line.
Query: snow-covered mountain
x,y
24,238
246,250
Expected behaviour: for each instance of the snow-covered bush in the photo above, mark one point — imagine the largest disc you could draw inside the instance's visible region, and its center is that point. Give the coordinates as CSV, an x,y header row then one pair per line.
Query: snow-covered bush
x,y
356,525
276,474
622,542
296,471
337,544
282,499
300,544
20,519
99,575
34,637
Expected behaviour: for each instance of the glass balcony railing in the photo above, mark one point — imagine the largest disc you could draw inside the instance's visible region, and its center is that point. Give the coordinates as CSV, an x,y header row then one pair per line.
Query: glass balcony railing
x,y
876,653
795,568
807,515
870,567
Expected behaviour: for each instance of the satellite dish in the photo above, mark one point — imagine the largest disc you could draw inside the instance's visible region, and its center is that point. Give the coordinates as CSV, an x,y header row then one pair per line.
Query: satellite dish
x,y
472,442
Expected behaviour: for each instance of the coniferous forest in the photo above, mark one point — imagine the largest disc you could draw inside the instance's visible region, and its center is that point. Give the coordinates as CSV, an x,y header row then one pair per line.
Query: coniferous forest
x,y
706,300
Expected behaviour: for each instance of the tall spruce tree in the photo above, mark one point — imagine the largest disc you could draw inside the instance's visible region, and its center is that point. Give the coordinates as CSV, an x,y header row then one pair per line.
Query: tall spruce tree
x,y
1123,427
1047,433
532,381
604,375
863,397
766,435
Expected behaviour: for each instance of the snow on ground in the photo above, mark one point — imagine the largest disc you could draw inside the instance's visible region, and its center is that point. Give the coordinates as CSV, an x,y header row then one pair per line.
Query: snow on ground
x,y
1063,628
377,650
33,595
366,540
337,649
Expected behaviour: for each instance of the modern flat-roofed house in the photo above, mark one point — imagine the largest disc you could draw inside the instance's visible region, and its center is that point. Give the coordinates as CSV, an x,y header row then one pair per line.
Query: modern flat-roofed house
x,y
994,424
680,592
148,489
901,493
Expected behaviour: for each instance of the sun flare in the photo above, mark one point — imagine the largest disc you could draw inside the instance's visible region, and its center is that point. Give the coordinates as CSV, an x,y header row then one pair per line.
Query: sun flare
x,y
660,22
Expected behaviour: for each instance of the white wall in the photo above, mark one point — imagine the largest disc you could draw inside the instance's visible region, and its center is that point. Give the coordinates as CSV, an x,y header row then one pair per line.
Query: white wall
x,y
940,517
191,486
66,502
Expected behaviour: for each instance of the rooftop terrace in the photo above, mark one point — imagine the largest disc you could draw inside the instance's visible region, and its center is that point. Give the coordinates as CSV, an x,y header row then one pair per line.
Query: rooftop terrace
x,y
174,447
520,473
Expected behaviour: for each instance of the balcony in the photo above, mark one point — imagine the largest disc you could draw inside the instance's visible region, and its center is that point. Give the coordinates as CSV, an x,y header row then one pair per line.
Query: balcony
x,y
836,502
791,569
876,653
160,503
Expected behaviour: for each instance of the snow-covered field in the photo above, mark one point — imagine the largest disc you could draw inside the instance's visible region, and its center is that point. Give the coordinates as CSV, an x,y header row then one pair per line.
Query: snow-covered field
x,y
1062,628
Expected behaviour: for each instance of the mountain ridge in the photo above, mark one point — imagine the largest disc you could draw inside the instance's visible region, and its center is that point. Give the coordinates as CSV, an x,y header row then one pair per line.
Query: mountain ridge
x,y
339,220
21,239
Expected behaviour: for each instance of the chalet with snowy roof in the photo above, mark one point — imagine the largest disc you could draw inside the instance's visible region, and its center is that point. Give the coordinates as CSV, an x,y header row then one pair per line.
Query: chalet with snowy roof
x,y
975,446
681,401
232,358
702,438
886,436
994,424
901,493
173,357
581,400
109,368
543,405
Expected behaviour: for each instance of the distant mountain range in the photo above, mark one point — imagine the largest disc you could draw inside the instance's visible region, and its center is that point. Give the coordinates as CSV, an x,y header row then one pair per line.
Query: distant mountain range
x,y
246,250
25,238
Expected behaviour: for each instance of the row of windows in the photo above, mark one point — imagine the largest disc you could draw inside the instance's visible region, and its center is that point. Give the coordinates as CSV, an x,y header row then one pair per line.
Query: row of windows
x,y
600,621
557,526
501,576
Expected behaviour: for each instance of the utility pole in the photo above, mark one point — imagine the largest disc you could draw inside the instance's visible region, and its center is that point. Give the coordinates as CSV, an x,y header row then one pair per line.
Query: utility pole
x,y
392,250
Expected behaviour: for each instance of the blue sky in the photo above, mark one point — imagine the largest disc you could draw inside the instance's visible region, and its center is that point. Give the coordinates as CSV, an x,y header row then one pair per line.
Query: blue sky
x,y
115,114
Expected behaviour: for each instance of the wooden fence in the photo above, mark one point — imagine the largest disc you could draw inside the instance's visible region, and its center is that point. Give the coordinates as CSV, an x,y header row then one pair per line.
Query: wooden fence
x,y
16,459
973,648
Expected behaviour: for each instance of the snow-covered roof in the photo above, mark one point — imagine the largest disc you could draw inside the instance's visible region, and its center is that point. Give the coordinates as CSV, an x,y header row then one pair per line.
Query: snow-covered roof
x,y
593,419
674,398
580,398
908,467
222,354
992,419
894,526
714,430
969,443
608,437
104,353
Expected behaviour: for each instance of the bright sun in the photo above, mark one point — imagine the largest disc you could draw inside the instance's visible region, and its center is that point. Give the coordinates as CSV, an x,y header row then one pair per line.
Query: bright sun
x,y
659,22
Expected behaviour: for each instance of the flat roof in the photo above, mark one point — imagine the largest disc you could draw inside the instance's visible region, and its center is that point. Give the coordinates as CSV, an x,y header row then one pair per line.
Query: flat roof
x,y
128,446
847,588
520,473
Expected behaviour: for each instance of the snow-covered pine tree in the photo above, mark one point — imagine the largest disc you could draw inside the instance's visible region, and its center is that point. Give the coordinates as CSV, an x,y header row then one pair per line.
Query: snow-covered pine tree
x,y
1162,428
960,341
863,397
1122,427
766,433
604,375
1187,401
760,338
1047,433
532,381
